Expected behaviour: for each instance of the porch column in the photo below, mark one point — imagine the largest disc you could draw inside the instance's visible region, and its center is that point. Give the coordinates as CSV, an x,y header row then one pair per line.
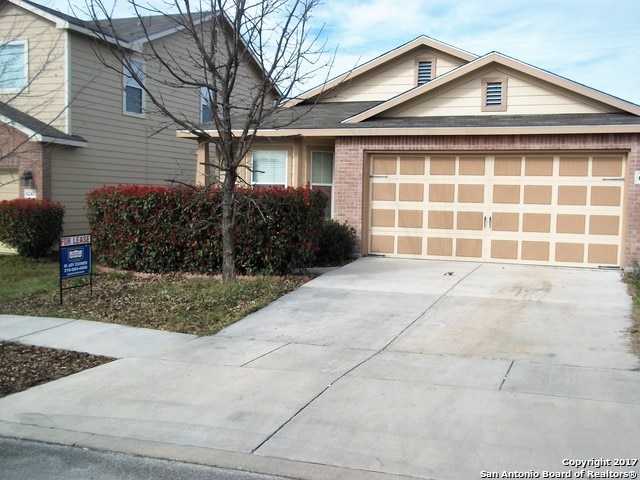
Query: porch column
x,y
203,169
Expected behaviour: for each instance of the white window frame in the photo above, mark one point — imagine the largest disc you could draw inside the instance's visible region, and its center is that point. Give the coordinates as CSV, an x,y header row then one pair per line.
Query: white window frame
x,y
286,168
502,107
25,51
126,78
204,102
312,183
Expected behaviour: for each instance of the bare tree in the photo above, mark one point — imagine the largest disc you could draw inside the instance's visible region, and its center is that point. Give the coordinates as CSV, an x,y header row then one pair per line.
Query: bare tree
x,y
225,40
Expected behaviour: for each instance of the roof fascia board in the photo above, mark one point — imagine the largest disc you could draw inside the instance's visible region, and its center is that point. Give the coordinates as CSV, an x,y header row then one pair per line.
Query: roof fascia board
x,y
446,131
33,136
63,24
371,64
495,57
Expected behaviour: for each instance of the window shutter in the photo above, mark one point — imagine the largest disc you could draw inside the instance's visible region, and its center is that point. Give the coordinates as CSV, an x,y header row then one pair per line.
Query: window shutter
x,y
424,72
494,94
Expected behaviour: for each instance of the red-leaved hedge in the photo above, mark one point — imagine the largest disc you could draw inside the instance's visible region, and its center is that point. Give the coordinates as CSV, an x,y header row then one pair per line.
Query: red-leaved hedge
x,y
31,226
171,229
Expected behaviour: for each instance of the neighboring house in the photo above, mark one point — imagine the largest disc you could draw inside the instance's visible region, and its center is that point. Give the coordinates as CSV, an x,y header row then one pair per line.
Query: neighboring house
x,y
431,152
77,124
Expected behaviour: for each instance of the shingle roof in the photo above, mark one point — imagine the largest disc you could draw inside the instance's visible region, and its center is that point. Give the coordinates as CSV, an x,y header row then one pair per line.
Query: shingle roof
x,y
36,127
125,29
324,116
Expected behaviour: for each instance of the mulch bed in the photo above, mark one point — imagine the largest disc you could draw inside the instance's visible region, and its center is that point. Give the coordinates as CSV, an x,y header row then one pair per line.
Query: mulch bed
x,y
25,366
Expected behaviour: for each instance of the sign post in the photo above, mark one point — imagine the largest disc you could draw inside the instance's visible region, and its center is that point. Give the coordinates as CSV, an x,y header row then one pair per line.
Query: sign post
x,y
75,260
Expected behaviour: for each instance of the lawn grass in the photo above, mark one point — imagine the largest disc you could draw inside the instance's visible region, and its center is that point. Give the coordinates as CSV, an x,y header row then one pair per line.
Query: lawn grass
x,y
178,303
20,275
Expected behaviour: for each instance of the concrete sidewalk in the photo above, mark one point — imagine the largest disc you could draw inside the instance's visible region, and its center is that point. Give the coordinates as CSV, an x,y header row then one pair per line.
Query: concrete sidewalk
x,y
381,369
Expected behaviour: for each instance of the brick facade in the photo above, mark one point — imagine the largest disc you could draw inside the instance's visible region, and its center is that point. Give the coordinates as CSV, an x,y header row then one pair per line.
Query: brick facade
x,y
350,153
18,152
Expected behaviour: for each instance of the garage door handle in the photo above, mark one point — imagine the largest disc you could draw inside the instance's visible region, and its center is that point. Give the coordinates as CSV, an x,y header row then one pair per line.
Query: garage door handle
x,y
485,222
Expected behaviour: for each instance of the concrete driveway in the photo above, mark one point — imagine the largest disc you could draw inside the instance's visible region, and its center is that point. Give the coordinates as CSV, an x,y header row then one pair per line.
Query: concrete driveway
x,y
381,369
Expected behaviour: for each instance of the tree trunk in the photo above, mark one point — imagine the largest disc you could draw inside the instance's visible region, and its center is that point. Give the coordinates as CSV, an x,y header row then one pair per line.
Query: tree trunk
x,y
228,228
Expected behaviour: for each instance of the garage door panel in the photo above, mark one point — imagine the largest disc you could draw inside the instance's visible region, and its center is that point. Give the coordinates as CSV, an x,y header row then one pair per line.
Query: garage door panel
x,y
507,166
554,209
441,193
470,221
469,248
607,167
410,245
470,193
606,196
439,247
537,194
411,192
506,194
538,166
412,165
570,252
535,251
504,249
574,166
572,195
568,223
604,225
410,218
506,222
442,165
383,192
440,220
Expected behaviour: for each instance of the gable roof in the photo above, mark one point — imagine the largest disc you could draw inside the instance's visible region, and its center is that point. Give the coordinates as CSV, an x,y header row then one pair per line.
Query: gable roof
x,y
130,32
498,59
421,41
36,130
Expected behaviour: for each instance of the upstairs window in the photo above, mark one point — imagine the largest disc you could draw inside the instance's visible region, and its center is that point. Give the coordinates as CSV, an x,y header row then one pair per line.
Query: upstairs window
x,y
494,95
13,67
322,175
133,92
269,168
206,98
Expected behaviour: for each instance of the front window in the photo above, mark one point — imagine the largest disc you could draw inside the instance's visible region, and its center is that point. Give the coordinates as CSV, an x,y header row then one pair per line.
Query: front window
x,y
133,92
322,175
269,168
13,67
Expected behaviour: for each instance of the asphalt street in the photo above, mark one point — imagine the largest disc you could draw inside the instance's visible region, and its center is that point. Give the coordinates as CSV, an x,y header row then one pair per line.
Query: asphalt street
x,y
27,460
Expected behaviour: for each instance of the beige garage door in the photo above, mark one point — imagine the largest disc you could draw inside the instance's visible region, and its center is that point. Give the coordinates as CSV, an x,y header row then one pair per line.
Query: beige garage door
x,y
543,209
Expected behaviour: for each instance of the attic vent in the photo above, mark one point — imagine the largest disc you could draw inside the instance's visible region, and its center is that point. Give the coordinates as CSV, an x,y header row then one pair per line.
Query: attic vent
x,y
494,94
424,72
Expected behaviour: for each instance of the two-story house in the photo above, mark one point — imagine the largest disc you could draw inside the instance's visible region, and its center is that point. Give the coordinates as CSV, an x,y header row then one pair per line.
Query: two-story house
x,y
75,119
432,152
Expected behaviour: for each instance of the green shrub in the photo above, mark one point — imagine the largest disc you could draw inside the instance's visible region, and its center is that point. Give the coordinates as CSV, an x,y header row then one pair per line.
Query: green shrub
x,y
30,226
163,229
337,243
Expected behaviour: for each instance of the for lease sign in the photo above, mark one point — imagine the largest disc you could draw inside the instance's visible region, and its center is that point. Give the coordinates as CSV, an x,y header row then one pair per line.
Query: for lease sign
x,y
75,256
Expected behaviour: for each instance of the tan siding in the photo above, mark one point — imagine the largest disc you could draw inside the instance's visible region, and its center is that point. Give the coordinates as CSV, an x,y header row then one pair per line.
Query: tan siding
x,y
122,149
524,96
393,78
45,98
